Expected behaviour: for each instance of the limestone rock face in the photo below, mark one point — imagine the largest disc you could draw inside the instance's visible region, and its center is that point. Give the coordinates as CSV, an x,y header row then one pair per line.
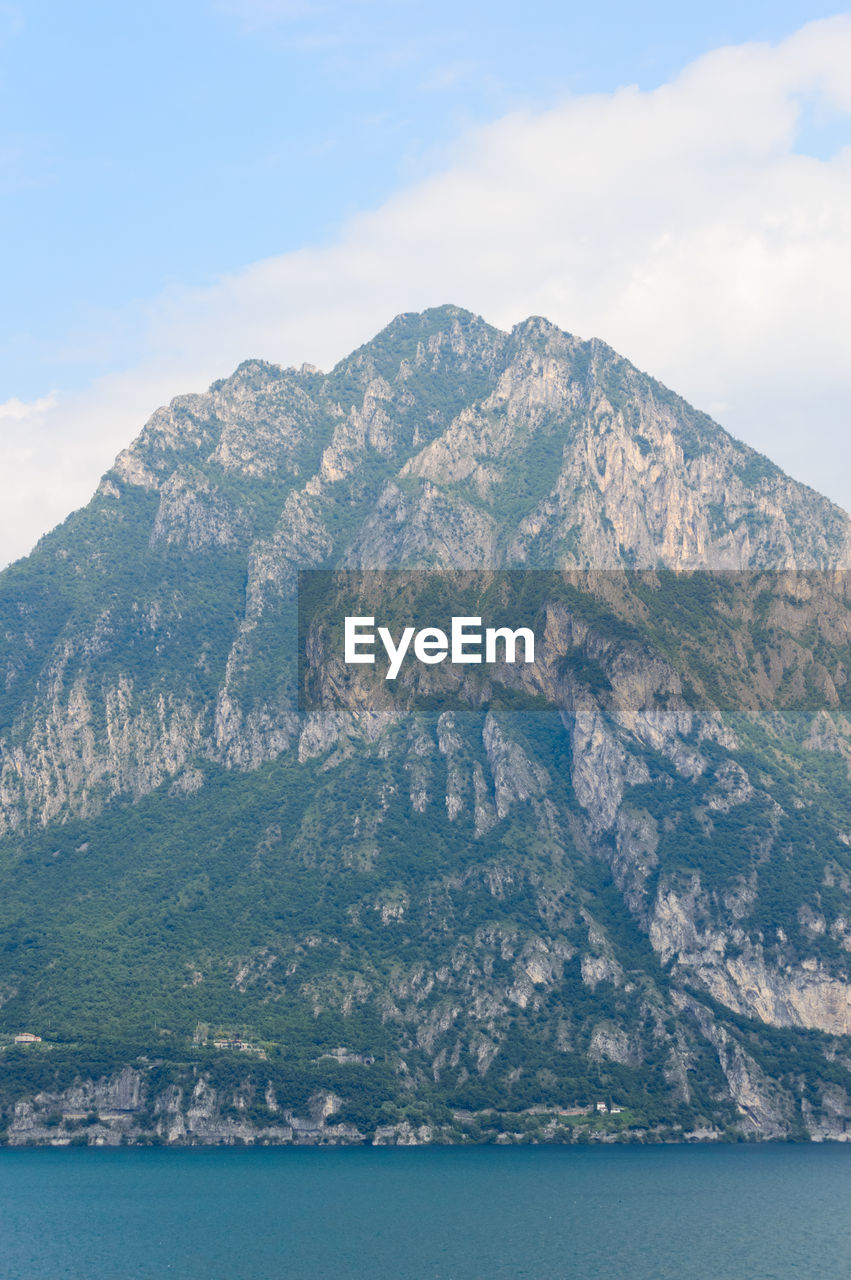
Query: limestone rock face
x,y
194,513
685,929
443,444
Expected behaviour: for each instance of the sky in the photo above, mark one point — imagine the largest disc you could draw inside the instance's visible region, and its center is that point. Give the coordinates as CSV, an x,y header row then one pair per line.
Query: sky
x,y
187,185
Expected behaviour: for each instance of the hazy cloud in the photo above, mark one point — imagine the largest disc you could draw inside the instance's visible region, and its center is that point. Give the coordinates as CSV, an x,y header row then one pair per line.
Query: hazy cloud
x,y
11,22
20,411
679,224
256,14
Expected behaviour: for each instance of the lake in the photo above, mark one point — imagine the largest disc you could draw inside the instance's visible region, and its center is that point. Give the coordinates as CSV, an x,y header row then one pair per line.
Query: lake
x,y
546,1213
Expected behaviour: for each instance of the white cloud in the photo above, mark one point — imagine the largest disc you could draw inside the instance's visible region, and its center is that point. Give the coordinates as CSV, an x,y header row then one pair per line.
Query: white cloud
x,y
679,224
19,411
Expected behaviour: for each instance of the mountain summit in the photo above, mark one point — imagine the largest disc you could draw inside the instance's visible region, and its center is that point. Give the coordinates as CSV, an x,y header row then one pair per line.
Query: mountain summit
x,y
455,924
533,448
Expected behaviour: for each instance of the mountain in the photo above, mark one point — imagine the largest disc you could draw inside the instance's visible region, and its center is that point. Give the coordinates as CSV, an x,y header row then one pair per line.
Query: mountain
x,y
461,924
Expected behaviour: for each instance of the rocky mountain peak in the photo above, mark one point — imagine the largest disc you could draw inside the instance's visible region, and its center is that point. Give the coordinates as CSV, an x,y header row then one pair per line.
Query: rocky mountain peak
x,y
546,450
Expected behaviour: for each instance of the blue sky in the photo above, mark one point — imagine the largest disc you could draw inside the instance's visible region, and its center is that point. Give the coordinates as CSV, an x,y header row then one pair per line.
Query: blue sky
x,y
148,145
148,152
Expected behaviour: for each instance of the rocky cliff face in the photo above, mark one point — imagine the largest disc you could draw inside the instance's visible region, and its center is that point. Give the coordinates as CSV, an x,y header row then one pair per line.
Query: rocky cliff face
x,y
129,1109
442,444
615,896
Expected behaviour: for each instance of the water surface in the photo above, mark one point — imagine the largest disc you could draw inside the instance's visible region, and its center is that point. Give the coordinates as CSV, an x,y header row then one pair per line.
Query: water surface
x,y
486,1213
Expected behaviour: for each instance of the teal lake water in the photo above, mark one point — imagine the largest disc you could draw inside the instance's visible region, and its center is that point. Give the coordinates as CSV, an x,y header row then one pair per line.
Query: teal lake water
x,y
542,1213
